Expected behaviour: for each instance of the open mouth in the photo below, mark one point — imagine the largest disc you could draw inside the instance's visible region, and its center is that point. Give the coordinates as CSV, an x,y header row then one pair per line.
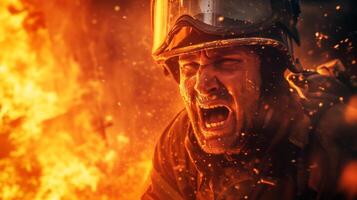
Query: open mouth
x,y
214,117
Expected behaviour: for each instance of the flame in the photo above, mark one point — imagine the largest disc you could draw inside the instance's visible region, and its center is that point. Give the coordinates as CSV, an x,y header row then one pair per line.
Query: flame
x,y
51,145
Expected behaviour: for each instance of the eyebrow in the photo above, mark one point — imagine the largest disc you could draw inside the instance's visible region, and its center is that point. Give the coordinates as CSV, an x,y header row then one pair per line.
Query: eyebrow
x,y
231,56
193,57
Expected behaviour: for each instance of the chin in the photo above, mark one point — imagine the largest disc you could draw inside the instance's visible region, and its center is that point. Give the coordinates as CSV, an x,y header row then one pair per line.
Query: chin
x,y
219,145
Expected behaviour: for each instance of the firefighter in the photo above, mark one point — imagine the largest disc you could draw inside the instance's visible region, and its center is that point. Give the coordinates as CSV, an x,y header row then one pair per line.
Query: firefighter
x,y
247,131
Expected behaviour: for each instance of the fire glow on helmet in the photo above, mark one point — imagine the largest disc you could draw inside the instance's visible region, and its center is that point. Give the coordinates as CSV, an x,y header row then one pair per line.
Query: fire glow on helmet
x,y
215,13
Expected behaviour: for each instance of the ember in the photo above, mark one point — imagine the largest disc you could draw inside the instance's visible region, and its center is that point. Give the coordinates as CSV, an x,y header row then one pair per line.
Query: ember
x,y
53,142
81,103
319,38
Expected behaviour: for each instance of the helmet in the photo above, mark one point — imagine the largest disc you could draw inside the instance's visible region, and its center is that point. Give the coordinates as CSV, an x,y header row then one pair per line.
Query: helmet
x,y
186,26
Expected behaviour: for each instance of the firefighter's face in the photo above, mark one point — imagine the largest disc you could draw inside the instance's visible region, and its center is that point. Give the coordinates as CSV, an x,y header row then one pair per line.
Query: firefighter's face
x,y
220,89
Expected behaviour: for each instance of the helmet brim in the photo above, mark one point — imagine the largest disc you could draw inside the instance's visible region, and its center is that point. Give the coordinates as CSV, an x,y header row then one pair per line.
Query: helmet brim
x,y
234,42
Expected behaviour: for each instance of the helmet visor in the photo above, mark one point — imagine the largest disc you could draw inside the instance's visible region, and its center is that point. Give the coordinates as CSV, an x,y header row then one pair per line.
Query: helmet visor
x,y
217,13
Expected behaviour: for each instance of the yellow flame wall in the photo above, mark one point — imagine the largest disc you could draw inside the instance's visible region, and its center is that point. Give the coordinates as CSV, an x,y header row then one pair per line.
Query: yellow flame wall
x,y
54,136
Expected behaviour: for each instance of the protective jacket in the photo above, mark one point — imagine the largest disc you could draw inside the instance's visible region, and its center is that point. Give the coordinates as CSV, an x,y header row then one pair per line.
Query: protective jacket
x,y
309,149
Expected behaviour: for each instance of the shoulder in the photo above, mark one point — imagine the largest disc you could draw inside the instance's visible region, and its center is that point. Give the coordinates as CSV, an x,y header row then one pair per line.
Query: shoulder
x,y
324,98
171,141
177,129
330,105
173,174
320,89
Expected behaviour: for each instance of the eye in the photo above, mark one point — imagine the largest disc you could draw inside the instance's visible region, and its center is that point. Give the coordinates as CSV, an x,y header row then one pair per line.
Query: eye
x,y
229,64
189,69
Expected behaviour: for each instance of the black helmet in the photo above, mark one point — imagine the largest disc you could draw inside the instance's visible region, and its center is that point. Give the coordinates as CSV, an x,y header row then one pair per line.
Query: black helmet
x,y
186,26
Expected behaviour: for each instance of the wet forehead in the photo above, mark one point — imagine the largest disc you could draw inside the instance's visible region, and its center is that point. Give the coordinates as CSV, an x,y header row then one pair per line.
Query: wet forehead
x,y
214,54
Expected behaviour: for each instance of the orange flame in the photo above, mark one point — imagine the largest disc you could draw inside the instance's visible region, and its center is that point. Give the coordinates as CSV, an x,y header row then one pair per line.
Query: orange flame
x,y
50,143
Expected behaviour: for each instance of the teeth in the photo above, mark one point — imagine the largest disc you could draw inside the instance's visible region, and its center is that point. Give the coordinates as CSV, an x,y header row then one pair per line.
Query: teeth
x,y
214,124
205,98
211,107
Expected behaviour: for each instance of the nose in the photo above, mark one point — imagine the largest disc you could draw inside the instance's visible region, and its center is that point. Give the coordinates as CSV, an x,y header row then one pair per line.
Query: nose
x,y
206,84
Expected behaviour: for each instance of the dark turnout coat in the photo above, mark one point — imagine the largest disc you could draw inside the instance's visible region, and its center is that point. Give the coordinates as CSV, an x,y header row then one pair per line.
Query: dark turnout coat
x,y
309,150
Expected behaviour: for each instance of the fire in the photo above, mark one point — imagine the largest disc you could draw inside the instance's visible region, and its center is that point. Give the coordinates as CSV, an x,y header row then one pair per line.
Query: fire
x,y
51,141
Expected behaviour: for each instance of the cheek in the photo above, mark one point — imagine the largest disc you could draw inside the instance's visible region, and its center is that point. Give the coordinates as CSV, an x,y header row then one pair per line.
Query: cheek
x,y
253,85
187,94
234,84
186,90
243,88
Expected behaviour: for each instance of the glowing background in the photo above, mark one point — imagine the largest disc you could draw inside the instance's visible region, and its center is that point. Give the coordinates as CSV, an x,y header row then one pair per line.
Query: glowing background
x,y
82,103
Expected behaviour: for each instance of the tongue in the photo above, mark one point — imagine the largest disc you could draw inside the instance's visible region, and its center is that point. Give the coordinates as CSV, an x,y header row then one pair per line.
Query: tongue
x,y
216,117
216,114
